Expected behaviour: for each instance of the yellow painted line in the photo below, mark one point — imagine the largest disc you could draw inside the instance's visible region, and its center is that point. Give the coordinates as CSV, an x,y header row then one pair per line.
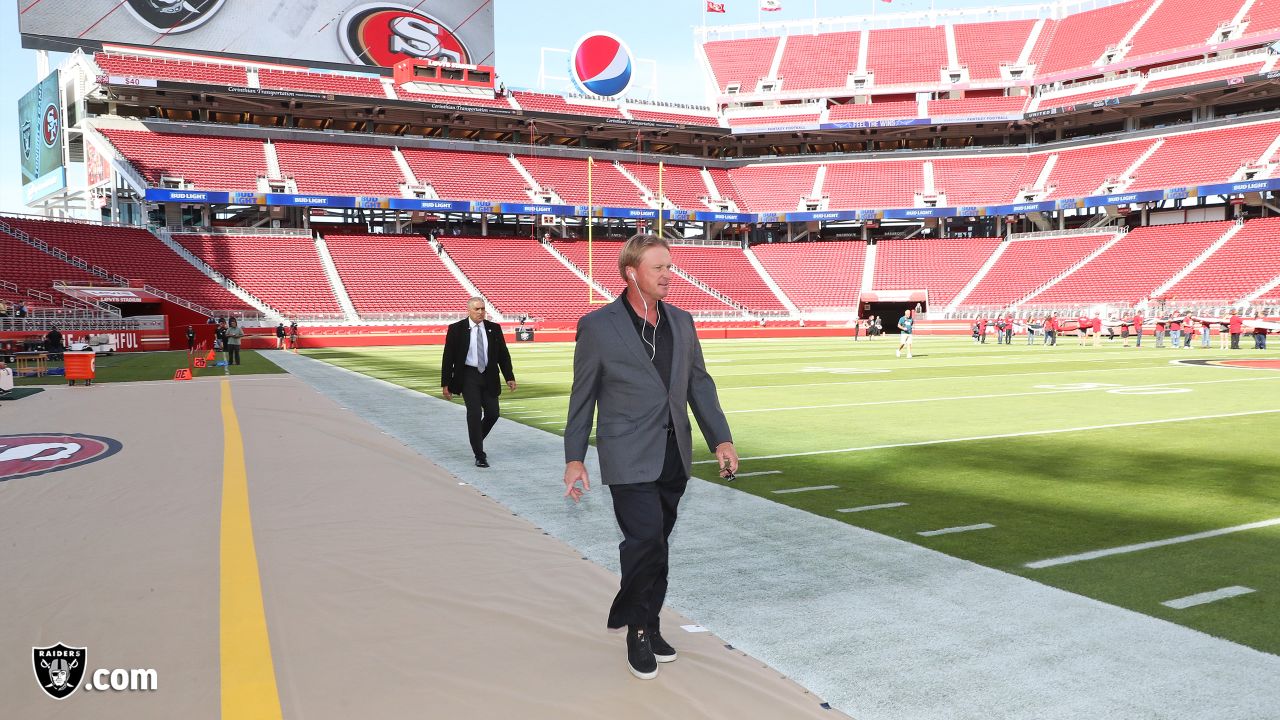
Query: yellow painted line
x,y
248,676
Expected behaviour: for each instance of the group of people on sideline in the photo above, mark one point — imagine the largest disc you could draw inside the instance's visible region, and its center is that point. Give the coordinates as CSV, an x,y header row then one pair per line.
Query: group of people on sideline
x,y
1176,329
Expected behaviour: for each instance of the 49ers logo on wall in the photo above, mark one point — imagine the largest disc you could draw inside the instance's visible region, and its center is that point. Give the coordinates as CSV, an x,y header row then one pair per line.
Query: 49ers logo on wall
x,y
26,455
383,34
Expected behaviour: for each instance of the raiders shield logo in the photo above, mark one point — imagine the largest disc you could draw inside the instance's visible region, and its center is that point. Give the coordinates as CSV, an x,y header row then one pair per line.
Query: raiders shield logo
x,y
27,145
27,455
59,669
173,16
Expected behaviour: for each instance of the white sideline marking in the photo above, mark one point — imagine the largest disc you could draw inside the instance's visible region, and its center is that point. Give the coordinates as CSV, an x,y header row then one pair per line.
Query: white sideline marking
x,y
962,528
762,472
1094,554
805,489
1148,389
1207,597
1001,436
726,388
864,508
525,416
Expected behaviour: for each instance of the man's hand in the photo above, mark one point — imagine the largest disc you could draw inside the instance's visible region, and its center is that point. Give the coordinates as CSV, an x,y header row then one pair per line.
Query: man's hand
x,y
573,473
727,459
445,392
511,384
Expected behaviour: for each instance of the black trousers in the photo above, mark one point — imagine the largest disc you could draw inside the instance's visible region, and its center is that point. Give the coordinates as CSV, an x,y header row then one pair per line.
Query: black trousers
x,y
233,354
1235,341
482,409
646,514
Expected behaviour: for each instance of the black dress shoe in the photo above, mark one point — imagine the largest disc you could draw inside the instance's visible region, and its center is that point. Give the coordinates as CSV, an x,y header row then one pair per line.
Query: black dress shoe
x,y
640,659
481,462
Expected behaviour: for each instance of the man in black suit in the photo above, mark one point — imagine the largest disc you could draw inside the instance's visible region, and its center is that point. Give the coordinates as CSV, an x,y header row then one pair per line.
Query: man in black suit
x,y
474,350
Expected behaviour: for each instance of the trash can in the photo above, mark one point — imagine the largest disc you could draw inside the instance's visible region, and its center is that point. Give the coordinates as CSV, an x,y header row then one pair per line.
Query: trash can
x,y
79,366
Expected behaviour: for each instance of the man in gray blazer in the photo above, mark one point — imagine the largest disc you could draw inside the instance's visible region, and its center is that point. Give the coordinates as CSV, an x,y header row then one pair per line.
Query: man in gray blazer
x,y
638,363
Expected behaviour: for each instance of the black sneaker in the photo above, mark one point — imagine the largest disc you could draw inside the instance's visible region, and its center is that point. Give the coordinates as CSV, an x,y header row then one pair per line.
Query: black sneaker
x,y
482,463
640,659
662,650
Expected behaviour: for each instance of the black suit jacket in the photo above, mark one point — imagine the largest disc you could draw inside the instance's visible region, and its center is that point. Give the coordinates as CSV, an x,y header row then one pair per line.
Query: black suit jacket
x,y
456,344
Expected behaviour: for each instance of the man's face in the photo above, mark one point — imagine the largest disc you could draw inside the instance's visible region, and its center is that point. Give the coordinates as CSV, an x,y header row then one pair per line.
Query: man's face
x,y
653,272
475,311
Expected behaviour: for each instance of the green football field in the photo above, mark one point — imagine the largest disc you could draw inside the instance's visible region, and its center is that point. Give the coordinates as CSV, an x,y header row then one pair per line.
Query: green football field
x,y
1031,459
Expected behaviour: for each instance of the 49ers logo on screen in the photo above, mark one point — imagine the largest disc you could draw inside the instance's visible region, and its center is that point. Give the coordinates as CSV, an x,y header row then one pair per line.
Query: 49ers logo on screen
x,y
383,34
26,455
52,125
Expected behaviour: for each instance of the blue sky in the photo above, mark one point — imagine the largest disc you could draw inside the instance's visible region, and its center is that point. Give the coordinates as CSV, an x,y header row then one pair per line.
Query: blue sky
x,y
660,30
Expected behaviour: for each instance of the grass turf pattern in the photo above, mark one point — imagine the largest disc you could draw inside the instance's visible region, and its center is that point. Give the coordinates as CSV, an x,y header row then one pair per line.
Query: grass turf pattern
x,y
1047,495
135,367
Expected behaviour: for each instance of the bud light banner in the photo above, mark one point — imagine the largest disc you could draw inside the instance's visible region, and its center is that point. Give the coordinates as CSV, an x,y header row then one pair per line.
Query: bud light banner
x,y
40,135
335,32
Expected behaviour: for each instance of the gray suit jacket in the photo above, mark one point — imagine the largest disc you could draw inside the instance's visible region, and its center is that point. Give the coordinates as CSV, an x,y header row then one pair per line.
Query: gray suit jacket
x,y
612,372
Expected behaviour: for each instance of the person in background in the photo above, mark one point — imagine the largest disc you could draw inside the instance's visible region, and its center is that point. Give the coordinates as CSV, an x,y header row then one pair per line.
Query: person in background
x,y
220,336
1224,334
53,341
234,334
21,311
977,329
1206,329
1124,331
879,327
1188,328
1051,330
905,327
1259,338
1160,332
191,339
293,336
280,336
1137,328
474,352
1175,330
1008,329
1235,324
857,325
1083,325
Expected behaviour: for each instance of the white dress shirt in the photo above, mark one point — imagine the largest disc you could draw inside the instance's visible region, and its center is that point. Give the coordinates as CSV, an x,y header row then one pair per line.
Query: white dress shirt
x,y
478,340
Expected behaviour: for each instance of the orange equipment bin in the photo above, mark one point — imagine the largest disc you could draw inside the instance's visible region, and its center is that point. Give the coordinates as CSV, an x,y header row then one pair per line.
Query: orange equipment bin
x,y
79,366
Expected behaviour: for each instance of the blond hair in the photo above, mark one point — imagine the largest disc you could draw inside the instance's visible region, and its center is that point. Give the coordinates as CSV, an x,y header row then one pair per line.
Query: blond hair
x,y
634,247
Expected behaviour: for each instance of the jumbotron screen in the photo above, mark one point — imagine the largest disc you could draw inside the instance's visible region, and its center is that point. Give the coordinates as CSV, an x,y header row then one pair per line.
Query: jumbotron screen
x,y
343,32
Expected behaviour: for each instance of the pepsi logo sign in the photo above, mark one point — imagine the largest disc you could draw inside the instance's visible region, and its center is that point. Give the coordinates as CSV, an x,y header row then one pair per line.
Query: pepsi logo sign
x,y
601,64
383,34
36,454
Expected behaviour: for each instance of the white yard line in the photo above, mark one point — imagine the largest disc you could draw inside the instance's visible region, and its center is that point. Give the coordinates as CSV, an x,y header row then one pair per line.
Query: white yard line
x,y
762,472
805,489
952,378
953,530
1207,597
1003,435
864,508
995,395
1107,552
